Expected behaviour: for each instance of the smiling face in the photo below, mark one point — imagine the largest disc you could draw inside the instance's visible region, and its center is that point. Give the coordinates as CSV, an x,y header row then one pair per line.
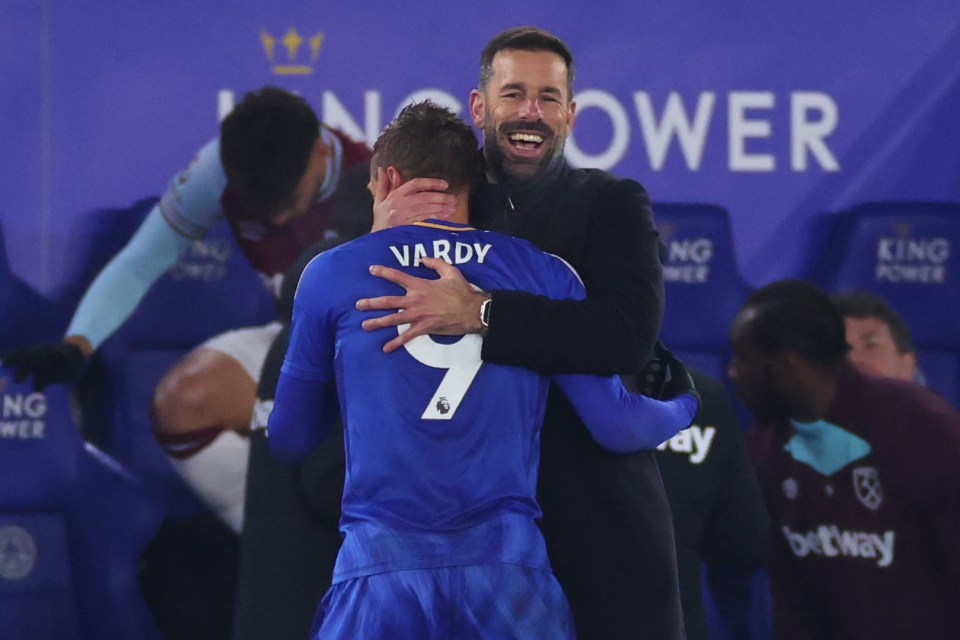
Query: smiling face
x,y
526,113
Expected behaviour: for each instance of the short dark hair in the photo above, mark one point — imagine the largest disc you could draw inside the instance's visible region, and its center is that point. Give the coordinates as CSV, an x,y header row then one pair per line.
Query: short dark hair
x,y
865,304
795,315
265,147
525,39
427,140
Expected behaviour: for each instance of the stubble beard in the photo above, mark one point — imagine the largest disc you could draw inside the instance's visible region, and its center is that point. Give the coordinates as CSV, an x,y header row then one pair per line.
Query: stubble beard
x,y
513,172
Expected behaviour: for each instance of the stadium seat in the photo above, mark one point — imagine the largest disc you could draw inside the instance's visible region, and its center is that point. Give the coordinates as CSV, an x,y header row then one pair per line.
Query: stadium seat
x,y
704,290
27,316
73,524
210,290
908,253
703,285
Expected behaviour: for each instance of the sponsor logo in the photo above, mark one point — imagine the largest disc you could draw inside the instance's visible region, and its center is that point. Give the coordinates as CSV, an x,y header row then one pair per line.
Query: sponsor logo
x,y
688,259
22,416
678,128
18,553
903,258
288,54
694,441
791,488
830,541
867,488
205,261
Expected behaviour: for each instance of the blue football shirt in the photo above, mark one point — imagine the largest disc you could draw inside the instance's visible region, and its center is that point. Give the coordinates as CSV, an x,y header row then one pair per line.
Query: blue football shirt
x,y
442,449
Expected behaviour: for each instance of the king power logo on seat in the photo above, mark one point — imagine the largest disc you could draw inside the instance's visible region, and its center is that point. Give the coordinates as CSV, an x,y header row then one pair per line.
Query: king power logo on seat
x,y
903,257
687,258
22,415
291,54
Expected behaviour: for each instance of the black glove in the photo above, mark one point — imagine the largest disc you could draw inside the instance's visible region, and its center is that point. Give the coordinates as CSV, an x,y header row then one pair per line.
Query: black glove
x,y
47,363
665,376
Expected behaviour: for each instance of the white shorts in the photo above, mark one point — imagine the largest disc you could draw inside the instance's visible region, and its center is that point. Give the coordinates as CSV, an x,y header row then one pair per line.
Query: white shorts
x,y
248,346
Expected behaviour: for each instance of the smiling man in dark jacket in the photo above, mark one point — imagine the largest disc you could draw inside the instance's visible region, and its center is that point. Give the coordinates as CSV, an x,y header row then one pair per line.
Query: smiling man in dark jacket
x,y
606,518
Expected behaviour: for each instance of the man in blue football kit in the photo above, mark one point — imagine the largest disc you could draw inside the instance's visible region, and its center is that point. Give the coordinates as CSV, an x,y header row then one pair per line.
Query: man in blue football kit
x,y
442,449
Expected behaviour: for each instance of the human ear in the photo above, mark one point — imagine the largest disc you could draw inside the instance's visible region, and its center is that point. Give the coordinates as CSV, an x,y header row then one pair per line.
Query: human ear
x,y
477,108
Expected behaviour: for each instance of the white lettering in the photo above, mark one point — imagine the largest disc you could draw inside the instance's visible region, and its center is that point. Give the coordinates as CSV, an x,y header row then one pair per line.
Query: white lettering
x,y
885,544
481,250
21,429
935,250
694,441
674,124
441,250
619,121
905,273
809,135
419,253
19,405
698,250
682,442
688,274
814,117
201,272
740,128
831,542
464,252
702,439
461,252
402,258
215,249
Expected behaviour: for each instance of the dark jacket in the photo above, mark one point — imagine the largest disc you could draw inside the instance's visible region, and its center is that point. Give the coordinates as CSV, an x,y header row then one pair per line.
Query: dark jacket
x,y
606,518
718,511
603,226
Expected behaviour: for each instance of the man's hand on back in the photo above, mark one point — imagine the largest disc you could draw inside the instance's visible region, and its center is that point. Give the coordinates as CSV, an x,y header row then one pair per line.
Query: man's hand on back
x,y
447,306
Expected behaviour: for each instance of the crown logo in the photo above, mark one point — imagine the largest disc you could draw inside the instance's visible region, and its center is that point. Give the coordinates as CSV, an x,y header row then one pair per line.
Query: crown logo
x,y
296,64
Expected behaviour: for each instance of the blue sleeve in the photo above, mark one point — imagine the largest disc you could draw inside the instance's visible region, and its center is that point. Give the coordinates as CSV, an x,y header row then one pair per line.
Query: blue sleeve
x,y
305,406
303,413
622,421
619,420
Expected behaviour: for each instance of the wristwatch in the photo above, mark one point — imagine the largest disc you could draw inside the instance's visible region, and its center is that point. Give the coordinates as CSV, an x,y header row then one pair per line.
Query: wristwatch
x,y
485,314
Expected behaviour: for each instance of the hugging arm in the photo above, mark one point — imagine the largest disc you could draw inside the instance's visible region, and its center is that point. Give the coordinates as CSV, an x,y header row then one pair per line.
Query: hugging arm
x,y
622,421
303,413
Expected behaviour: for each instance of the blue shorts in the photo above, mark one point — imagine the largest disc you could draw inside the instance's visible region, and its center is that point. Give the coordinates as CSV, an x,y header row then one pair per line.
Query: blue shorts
x,y
482,602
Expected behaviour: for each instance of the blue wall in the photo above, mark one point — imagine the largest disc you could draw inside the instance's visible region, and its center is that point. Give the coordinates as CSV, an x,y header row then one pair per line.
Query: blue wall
x,y
787,111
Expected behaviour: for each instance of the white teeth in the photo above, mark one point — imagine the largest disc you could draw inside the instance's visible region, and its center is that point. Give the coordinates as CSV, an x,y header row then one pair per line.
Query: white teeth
x,y
526,137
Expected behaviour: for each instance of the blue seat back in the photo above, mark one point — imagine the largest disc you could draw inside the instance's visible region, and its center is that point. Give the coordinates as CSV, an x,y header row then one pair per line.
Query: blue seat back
x,y
908,253
73,524
702,280
26,316
212,289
